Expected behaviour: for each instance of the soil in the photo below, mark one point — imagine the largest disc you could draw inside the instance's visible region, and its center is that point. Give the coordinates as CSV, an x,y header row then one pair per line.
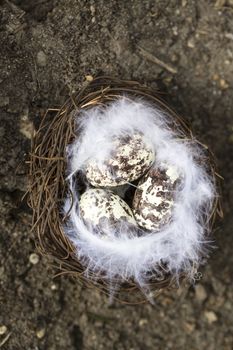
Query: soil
x,y
50,48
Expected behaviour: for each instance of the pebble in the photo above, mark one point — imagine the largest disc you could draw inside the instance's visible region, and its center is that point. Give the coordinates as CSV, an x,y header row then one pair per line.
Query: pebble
x,y
26,127
229,36
54,287
41,59
200,293
34,258
211,316
89,78
191,43
3,330
40,333
175,30
142,322
223,84
92,8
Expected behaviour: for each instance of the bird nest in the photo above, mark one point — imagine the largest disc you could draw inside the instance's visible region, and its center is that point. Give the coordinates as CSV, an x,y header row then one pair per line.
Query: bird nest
x,y
56,184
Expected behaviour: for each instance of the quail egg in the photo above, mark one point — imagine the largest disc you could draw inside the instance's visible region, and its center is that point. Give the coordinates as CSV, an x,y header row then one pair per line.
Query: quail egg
x,y
130,158
154,198
103,209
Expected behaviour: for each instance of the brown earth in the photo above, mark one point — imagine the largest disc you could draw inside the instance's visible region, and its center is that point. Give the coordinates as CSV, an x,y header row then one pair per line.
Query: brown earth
x,y
48,49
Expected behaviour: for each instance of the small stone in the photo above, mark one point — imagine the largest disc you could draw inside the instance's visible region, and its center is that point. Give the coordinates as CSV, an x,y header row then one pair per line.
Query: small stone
x,y
4,101
54,286
34,258
26,126
175,30
200,293
142,322
229,36
223,84
40,333
89,78
3,330
191,43
41,59
211,316
92,8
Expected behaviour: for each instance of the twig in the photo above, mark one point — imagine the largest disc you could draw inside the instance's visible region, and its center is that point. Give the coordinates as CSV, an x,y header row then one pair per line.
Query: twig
x,y
5,339
152,58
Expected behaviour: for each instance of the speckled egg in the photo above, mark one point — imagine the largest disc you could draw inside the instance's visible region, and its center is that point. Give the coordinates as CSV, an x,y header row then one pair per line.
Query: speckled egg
x,y
131,157
102,208
154,198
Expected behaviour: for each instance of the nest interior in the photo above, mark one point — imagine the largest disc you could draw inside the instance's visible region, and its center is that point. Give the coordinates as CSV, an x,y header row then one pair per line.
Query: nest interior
x,y
48,188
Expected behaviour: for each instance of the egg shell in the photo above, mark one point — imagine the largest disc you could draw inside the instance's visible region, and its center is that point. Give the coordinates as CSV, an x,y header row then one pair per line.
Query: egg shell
x,y
154,198
130,158
102,208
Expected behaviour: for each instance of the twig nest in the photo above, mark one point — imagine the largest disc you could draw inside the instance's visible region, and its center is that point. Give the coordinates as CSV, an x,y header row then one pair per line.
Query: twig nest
x,y
130,156
103,210
122,194
154,198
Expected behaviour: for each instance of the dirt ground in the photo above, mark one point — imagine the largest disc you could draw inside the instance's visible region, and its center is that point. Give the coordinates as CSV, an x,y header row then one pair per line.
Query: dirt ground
x,y
49,48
